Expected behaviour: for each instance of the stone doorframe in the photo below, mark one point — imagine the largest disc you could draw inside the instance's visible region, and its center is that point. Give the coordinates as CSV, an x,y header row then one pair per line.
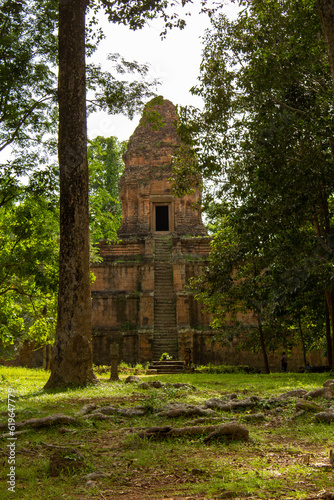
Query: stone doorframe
x,y
162,200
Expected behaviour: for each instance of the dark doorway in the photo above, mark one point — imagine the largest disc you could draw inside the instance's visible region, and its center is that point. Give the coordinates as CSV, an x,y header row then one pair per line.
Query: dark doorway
x,y
161,218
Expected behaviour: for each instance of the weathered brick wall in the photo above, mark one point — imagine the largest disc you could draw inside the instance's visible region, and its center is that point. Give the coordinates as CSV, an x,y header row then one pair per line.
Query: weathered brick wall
x,y
205,349
123,294
128,346
116,312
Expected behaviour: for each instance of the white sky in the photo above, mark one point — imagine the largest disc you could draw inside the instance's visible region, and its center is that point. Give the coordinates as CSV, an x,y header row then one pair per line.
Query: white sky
x,y
174,60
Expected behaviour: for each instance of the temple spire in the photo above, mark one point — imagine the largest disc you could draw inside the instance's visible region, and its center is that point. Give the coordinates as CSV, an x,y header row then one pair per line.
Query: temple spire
x,y
148,204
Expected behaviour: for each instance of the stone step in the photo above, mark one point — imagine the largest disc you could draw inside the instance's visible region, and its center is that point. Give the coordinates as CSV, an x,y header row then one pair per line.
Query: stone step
x,y
171,365
164,311
167,366
167,339
167,332
163,338
161,326
164,326
172,341
166,336
161,306
162,301
167,371
165,317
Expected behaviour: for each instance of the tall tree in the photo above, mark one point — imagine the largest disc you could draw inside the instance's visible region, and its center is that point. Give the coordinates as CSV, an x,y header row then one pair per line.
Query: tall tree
x,y
264,136
72,351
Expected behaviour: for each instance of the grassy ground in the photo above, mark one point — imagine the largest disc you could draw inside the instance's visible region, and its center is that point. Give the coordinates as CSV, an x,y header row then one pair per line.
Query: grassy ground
x,y
286,456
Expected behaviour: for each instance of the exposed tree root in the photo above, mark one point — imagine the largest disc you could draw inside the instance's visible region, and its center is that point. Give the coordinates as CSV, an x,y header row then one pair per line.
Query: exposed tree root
x,y
56,419
231,430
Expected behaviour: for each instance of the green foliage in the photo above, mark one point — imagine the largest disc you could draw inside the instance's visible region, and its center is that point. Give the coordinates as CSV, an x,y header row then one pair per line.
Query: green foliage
x,y
263,141
28,111
136,13
117,91
165,357
105,168
28,55
28,270
151,116
29,245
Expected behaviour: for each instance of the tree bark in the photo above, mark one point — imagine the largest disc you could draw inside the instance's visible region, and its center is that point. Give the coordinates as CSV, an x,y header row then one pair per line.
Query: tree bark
x,y
72,351
328,335
263,347
330,304
302,340
326,14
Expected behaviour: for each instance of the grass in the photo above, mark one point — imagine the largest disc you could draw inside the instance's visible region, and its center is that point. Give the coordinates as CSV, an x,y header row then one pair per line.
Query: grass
x,y
285,458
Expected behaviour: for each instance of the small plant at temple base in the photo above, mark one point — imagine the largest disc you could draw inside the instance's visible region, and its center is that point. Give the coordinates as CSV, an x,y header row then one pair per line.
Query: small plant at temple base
x,y
165,357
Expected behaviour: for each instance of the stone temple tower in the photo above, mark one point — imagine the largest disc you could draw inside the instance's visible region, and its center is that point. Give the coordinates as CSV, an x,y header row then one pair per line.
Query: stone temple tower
x,y
148,205
139,296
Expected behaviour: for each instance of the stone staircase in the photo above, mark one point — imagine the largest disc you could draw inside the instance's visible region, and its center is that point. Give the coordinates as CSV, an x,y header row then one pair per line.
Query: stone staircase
x,y
167,366
165,333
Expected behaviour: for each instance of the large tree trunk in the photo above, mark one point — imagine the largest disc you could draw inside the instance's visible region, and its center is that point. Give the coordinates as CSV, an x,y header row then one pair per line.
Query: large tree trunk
x,y
72,352
326,14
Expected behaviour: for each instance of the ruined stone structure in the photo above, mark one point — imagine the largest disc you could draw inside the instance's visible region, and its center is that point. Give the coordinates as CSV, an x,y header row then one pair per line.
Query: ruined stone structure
x,y
139,297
